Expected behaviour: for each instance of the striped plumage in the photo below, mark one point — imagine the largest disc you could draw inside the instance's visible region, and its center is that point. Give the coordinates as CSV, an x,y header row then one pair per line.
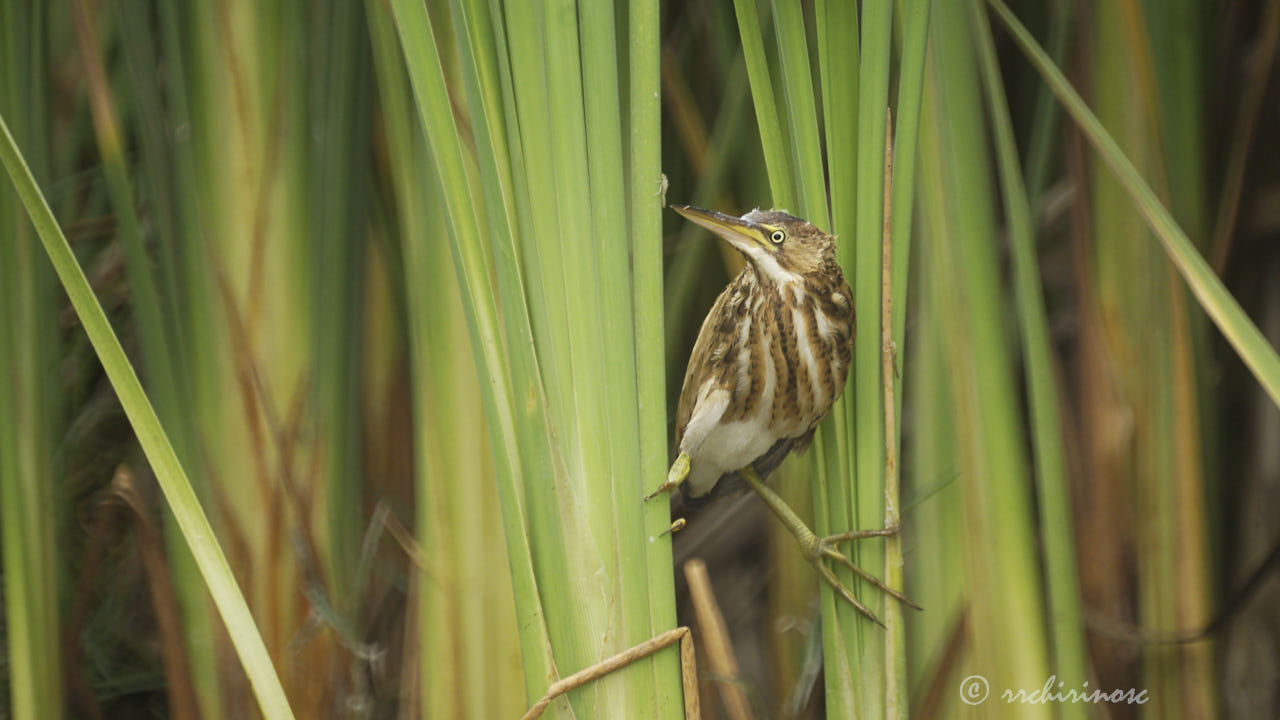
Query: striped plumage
x,y
772,355
770,361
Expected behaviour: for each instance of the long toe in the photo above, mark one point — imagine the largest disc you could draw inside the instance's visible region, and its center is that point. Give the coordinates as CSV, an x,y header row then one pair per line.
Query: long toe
x,y
862,534
835,555
844,592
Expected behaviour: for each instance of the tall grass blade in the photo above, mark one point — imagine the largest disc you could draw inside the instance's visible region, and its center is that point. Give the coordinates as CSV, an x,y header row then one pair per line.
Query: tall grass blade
x,y
427,78
833,499
340,118
906,147
1044,122
777,160
1213,296
178,206
1054,493
30,397
1004,619
151,435
464,645
1143,319
544,183
865,377
645,203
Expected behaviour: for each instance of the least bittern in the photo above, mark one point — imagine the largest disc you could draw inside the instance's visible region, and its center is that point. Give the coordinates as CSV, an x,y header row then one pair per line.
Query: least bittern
x,y
770,361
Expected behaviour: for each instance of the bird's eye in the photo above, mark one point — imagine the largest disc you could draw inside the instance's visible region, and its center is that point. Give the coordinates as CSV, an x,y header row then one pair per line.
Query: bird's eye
x,y
777,237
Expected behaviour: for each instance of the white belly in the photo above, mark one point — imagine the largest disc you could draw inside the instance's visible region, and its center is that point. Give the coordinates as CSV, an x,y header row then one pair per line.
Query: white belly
x,y
729,447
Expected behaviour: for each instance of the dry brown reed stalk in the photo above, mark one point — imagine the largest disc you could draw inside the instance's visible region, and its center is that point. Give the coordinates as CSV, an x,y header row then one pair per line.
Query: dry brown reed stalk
x,y
688,672
716,643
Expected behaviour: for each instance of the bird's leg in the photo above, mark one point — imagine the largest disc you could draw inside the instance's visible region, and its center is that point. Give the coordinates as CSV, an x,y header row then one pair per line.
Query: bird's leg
x,y
679,471
816,549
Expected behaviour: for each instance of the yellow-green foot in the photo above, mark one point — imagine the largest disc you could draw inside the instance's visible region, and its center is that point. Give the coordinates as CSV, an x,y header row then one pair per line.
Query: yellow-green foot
x,y
817,550
679,471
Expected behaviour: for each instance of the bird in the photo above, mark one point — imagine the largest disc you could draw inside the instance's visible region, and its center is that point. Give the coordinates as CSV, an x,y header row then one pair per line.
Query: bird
x,y
771,359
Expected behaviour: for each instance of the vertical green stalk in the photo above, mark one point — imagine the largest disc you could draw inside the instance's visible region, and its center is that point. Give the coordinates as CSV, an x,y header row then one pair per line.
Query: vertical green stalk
x,y
915,17
1135,322
1044,121
838,62
29,403
142,285
939,574
546,186
427,76
256,365
777,160
157,317
337,183
802,113
868,417
567,511
589,462
1177,113
1005,617
645,152
832,447
1070,663
1145,323
168,164
527,102
462,645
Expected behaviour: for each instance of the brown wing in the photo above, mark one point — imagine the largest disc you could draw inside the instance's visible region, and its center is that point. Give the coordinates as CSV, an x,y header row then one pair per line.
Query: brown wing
x,y
835,300
844,314
715,340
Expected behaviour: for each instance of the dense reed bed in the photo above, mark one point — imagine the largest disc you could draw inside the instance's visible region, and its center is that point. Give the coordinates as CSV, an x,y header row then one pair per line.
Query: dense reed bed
x,y
341,342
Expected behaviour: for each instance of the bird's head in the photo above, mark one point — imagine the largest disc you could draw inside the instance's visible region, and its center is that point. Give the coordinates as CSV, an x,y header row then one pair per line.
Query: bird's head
x,y
782,247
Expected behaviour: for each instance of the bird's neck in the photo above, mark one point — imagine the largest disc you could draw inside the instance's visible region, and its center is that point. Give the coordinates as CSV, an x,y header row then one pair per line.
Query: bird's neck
x,y
785,286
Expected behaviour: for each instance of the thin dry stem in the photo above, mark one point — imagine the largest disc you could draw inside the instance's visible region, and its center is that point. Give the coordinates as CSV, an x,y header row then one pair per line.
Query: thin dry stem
x,y
892,518
715,639
886,339
688,672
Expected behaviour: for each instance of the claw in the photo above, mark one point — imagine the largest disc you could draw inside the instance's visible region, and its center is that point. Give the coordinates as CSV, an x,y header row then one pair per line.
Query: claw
x,y
679,471
676,527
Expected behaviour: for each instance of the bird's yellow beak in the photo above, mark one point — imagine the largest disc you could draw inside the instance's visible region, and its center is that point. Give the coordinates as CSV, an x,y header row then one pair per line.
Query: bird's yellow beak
x,y
742,234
